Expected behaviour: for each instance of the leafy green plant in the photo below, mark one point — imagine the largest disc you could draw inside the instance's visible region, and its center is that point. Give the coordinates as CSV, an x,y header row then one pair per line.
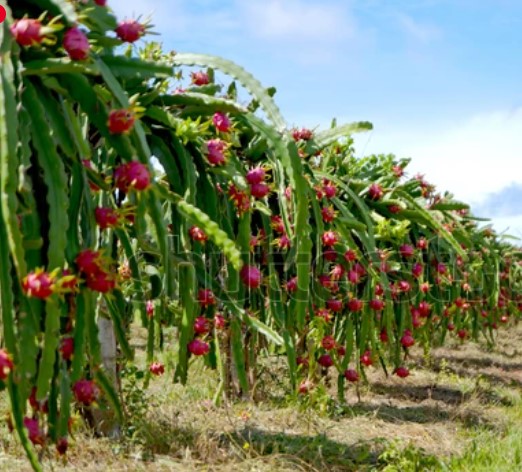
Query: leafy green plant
x,y
396,458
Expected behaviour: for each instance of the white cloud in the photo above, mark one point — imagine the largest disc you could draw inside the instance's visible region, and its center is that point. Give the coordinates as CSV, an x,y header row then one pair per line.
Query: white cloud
x,y
472,158
303,31
294,21
165,15
416,30
297,21
511,225
503,203
133,8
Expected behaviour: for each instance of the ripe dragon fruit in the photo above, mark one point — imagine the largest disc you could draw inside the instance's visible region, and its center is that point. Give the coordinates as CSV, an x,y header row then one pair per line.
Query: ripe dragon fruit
x,y
251,276
132,175
157,368
256,175
121,121
215,152
401,372
27,32
6,364
351,375
38,284
221,122
328,342
67,348
198,348
106,217
130,31
76,44
200,78
86,392
206,297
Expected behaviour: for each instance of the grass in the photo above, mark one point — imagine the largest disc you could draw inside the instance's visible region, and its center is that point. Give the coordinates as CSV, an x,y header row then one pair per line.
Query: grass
x,y
490,451
462,414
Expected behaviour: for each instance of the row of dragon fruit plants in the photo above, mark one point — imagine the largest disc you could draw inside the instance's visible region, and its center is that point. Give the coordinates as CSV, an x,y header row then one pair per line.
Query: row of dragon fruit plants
x,y
250,238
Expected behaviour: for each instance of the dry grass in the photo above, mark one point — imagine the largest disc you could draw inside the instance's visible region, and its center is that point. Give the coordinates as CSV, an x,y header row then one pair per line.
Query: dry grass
x,y
467,388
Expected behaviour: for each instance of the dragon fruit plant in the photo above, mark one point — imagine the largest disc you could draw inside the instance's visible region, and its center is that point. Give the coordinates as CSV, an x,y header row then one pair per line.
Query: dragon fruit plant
x,y
249,237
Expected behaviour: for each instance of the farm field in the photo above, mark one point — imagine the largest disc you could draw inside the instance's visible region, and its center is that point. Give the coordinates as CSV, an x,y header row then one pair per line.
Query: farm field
x,y
464,413
190,281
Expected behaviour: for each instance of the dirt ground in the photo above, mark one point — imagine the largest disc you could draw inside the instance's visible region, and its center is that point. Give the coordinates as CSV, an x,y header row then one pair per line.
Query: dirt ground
x,y
434,413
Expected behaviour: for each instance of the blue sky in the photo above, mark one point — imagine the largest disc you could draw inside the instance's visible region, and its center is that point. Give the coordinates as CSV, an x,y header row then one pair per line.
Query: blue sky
x,y
440,80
